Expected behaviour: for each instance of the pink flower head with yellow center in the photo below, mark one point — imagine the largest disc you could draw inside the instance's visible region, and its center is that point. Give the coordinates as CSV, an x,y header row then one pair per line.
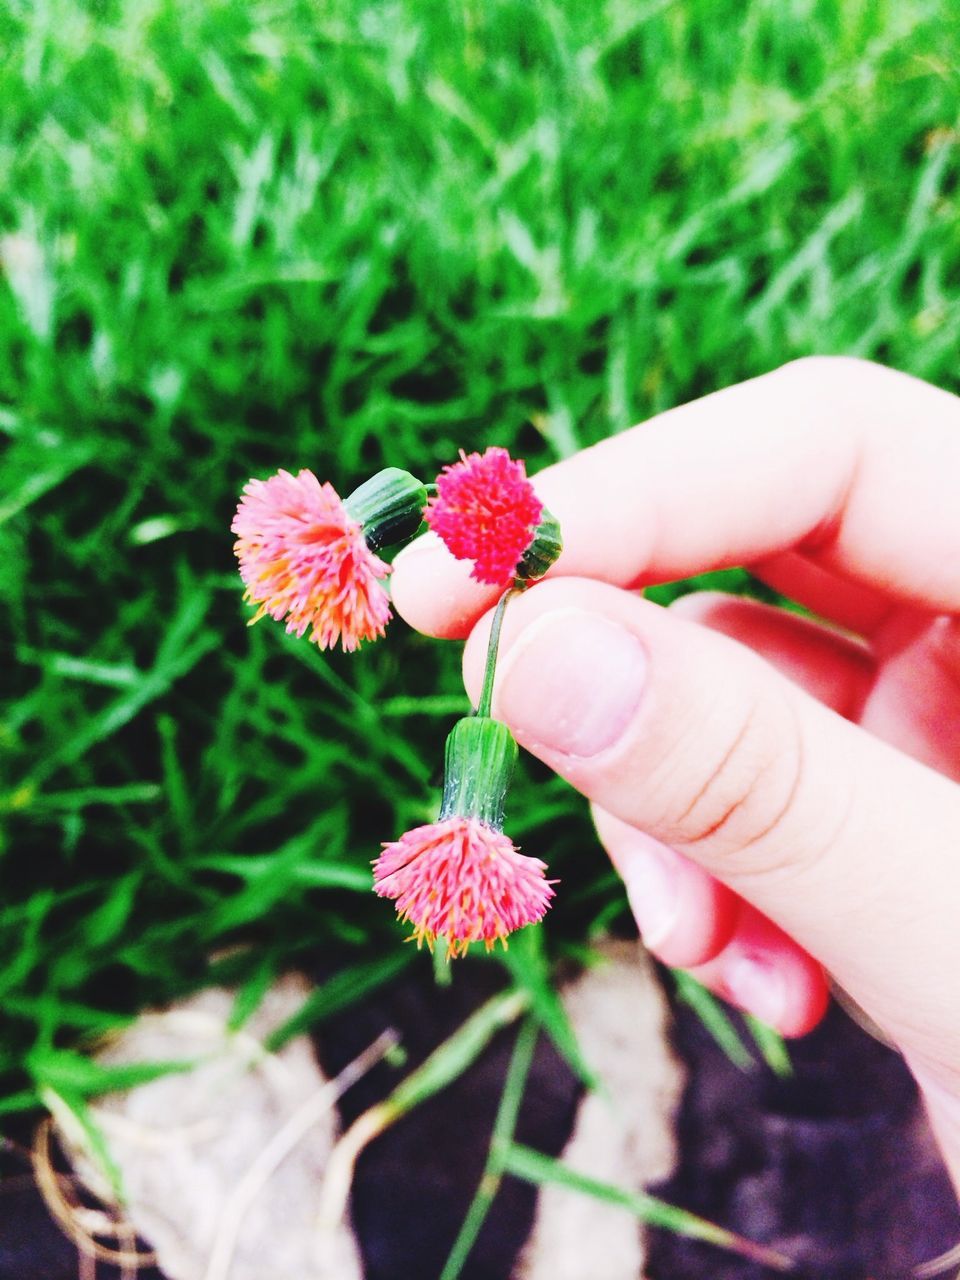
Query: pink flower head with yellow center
x,y
461,880
485,510
303,558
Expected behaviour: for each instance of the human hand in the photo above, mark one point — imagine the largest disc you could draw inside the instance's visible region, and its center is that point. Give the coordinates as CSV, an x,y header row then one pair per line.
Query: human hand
x,y
779,795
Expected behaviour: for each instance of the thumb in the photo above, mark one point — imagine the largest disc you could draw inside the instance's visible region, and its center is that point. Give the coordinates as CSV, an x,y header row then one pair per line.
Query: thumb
x,y
847,844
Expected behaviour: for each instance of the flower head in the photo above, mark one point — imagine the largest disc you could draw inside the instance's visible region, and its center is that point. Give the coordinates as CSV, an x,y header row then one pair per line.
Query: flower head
x,y
461,880
303,558
485,510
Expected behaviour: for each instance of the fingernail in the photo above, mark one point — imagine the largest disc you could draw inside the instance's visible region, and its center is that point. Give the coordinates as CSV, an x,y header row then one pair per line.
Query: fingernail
x,y
757,987
651,887
572,682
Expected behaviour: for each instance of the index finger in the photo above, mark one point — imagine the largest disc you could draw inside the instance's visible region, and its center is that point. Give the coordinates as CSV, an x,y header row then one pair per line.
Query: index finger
x,y
842,459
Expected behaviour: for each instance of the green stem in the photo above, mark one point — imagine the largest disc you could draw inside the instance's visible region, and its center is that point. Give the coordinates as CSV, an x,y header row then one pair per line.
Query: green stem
x,y
501,1139
493,644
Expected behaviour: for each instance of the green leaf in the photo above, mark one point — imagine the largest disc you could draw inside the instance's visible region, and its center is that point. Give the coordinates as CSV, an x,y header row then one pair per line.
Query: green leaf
x,y
51,1013
74,1117
250,995
83,797
772,1046
29,952
713,1016
269,878
532,1166
27,1100
339,992
527,963
107,921
457,1053
504,1126
68,1072
43,461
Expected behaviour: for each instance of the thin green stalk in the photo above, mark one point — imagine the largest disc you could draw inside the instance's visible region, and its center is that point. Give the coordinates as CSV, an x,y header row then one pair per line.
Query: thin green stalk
x,y
442,972
772,1046
493,645
532,1166
446,1064
450,1059
500,1143
713,1016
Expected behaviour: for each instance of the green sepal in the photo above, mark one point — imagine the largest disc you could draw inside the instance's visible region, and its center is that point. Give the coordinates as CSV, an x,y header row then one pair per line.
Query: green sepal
x,y
478,766
543,550
388,506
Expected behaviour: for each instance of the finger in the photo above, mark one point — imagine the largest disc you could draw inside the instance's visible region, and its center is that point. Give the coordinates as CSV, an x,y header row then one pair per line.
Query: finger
x,y
763,972
842,841
860,609
684,915
836,669
689,920
914,703
839,457
434,592
943,1106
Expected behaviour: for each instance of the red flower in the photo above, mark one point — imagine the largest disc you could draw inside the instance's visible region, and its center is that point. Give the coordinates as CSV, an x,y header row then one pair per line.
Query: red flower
x,y
461,880
304,559
485,510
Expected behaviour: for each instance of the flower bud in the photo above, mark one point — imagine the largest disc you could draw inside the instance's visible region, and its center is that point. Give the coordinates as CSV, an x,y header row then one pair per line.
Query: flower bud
x,y
543,550
478,765
388,506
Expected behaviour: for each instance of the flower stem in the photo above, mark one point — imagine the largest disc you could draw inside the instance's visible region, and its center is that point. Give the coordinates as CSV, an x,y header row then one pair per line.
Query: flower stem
x,y
493,644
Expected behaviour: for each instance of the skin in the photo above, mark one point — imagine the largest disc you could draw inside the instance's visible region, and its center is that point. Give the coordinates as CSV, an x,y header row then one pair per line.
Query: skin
x,y
779,794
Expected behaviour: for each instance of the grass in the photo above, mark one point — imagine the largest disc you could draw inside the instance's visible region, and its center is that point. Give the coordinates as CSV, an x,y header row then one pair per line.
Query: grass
x,y
342,235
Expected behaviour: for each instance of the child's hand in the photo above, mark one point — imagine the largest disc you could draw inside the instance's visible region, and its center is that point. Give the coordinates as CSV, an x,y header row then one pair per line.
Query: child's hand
x,y
776,794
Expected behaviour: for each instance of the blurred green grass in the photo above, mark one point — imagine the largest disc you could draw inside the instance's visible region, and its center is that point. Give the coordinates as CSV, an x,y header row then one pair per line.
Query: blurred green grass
x,y
341,235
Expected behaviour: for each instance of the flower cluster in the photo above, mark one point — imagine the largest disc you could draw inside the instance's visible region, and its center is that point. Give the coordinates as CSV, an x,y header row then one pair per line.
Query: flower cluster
x,y
311,558
461,880
485,510
302,558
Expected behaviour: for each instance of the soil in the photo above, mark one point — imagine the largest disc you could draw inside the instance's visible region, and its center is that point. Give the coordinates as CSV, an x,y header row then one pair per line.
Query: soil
x,y
834,1166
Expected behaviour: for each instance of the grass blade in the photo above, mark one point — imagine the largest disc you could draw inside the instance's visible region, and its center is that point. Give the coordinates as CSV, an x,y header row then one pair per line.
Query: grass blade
x,y
714,1017
773,1048
524,1162
527,964
503,1129
337,993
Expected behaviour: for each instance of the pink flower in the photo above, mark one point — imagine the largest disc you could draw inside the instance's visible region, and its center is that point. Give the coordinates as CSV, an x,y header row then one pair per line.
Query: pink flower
x,y
485,510
304,559
461,880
